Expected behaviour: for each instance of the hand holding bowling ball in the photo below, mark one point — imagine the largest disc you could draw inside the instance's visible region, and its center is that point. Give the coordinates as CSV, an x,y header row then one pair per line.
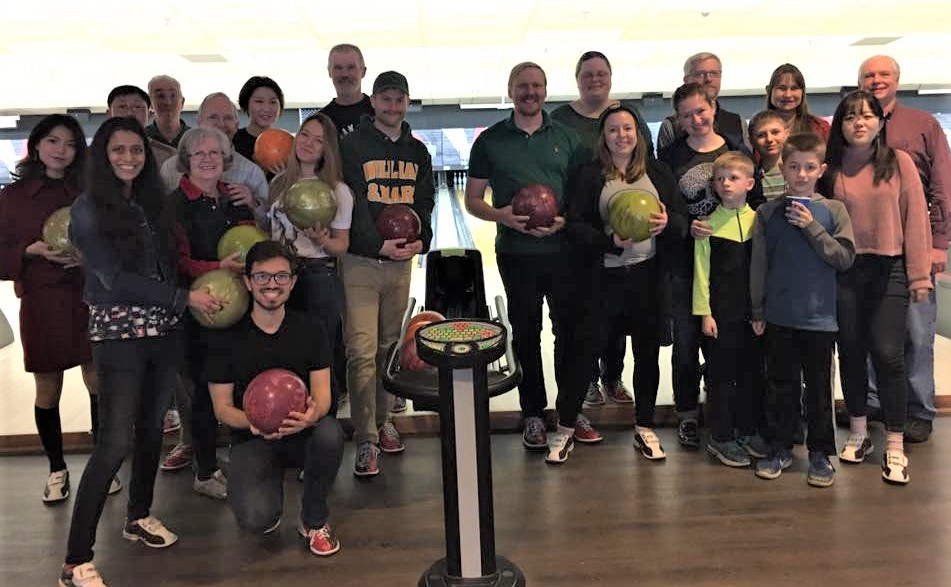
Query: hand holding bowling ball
x,y
310,203
271,396
539,203
239,239
56,233
398,221
272,147
630,214
231,294
239,194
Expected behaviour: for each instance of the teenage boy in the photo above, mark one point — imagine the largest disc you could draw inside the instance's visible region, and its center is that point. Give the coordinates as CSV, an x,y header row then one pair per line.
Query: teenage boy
x,y
272,337
720,282
383,164
799,244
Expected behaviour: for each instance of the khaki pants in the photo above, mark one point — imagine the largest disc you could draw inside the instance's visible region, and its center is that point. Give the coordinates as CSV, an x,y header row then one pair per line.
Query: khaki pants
x,y
376,296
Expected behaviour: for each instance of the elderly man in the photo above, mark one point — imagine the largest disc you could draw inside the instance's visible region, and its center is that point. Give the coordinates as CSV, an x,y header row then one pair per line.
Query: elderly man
x,y
246,182
167,103
346,68
707,70
132,101
918,134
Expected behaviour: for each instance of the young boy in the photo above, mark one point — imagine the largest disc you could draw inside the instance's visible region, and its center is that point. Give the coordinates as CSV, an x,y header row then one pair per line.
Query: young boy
x,y
768,133
799,243
721,278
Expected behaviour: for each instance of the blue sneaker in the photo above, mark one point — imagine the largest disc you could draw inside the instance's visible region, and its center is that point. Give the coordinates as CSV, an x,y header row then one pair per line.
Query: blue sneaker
x,y
772,466
729,453
754,445
821,472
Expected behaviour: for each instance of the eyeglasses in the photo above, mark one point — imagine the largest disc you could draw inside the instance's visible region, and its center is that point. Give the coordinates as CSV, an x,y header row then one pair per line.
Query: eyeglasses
x,y
707,74
206,155
125,108
263,278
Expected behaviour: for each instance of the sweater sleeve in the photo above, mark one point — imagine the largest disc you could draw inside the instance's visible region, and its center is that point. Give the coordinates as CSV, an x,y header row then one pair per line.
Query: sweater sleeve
x,y
759,265
12,246
584,227
939,184
916,227
701,278
836,249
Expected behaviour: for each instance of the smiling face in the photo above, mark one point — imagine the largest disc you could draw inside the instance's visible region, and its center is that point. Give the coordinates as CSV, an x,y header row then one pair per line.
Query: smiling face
x,y
787,94
708,74
802,170
206,160
347,71
57,151
309,143
859,128
389,109
880,77
126,152
219,113
264,107
267,293
594,80
528,91
620,134
130,105
695,116
769,138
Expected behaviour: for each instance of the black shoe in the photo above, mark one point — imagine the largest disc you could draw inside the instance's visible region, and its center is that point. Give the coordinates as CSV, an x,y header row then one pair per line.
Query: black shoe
x,y
842,417
688,433
917,430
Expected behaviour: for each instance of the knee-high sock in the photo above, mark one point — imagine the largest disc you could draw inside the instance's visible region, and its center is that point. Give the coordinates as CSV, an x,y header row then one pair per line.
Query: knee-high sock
x,y
51,435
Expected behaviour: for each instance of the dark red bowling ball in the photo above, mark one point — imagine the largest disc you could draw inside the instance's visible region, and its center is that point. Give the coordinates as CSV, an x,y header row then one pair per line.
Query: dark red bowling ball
x,y
271,396
538,202
398,221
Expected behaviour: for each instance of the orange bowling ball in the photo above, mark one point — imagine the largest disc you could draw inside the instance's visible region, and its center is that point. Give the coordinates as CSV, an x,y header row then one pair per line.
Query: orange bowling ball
x,y
425,316
273,147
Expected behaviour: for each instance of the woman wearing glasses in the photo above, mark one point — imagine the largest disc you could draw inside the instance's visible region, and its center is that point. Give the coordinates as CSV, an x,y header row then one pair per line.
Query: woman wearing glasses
x,y
124,232
204,213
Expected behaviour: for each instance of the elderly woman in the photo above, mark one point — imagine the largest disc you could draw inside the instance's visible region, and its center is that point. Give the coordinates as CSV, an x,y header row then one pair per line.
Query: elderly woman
x,y
204,211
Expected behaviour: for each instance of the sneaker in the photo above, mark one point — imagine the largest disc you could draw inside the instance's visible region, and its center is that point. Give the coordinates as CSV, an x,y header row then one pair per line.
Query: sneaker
x,y
150,531
821,473
585,432
366,463
534,437
895,467
399,405
215,486
179,457
617,393
688,433
773,465
57,487
593,397
321,541
115,486
390,439
84,575
560,445
172,422
917,430
649,445
856,449
729,453
754,445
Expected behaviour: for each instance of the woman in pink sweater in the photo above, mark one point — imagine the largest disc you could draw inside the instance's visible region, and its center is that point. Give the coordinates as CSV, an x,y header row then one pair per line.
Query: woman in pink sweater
x,y
881,188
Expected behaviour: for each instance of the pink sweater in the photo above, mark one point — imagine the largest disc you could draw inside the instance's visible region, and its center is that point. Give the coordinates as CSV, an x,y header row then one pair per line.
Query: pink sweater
x,y
889,219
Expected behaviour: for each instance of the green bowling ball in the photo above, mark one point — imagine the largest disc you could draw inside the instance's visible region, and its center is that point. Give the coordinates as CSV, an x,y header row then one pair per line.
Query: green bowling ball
x,y
629,214
310,202
239,239
56,231
234,295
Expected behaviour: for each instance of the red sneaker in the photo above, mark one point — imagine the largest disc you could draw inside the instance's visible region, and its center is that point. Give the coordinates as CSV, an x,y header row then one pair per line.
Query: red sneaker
x,y
618,393
321,541
390,439
179,457
585,432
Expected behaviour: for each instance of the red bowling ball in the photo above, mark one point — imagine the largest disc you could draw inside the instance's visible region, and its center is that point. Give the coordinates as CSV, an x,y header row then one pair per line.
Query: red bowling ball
x,y
398,221
538,202
271,396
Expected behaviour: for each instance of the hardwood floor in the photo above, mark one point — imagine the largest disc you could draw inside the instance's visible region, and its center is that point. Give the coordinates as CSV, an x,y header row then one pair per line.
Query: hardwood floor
x,y
606,517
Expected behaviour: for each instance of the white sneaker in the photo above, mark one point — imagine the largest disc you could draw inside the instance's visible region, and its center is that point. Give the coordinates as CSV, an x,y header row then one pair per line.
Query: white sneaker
x,y
115,486
172,422
560,445
215,486
57,486
649,445
895,467
856,449
150,531
84,575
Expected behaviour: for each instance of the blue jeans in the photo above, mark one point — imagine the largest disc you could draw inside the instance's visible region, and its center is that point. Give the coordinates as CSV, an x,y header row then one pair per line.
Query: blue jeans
x,y
136,381
919,361
256,475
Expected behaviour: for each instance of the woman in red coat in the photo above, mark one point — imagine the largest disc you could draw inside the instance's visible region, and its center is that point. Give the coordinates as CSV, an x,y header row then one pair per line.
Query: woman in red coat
x,y
53,317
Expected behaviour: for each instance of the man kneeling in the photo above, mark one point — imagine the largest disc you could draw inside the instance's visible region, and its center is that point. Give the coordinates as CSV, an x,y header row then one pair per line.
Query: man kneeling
x,y
269,337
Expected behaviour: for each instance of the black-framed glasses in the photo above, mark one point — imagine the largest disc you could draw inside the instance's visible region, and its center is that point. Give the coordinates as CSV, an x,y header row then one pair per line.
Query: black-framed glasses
x,y
263,278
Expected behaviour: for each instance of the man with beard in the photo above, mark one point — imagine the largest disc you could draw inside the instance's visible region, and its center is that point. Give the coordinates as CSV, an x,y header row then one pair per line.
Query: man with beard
x,y
346,68
534,263
271,337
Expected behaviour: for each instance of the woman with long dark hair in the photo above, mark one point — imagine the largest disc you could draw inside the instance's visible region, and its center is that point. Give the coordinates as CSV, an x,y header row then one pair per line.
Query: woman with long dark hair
x,y
125,235
48,281
786,94
882,191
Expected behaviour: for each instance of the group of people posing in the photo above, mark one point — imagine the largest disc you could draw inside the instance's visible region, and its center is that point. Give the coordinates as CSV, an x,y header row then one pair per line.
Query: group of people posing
x,y
774,243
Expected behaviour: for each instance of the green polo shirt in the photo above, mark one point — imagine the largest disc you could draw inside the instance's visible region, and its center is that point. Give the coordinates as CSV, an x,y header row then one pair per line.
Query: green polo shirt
x,y
510,158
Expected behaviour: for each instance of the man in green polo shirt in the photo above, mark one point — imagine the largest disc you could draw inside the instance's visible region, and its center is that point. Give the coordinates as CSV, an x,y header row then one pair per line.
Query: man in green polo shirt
x,y
535,264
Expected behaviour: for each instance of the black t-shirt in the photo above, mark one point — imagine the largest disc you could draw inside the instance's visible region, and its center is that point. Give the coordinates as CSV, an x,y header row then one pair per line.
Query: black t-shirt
x,y
243,142
237,354
347,118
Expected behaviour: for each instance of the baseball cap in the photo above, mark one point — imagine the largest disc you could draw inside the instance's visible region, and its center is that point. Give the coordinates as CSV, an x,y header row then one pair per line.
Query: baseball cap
x,y
390,80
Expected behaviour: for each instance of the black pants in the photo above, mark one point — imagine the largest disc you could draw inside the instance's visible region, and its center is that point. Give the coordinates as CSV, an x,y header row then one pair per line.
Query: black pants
x,y
204,424
685,358
873,309
630,306
735,374
565,282
136,379
792,356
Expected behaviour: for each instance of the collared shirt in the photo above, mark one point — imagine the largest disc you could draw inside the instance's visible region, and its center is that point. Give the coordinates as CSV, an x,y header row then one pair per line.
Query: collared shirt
x,y
241,171
152,131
